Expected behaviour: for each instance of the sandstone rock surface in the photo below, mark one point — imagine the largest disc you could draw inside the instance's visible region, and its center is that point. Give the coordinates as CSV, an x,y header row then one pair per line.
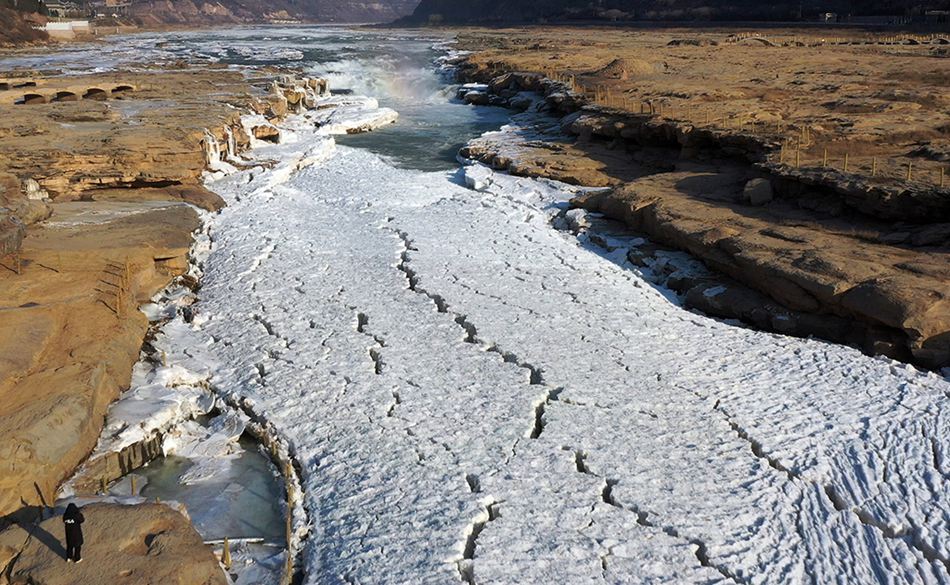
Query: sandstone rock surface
x,y
12,231
70,332
152,136
147,544
757,191
898,297
887,109
266,132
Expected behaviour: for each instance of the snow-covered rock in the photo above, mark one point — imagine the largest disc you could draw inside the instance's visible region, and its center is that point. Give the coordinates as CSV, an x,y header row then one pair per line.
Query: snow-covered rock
x,y
354,121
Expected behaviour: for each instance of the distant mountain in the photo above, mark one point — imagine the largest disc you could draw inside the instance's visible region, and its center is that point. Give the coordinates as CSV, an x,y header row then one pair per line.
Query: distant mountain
x,y
362,10
154,12
18,17
501,11
150,12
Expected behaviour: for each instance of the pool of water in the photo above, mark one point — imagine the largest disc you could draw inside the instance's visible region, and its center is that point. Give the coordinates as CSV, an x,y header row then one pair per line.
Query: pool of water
x,y
241,500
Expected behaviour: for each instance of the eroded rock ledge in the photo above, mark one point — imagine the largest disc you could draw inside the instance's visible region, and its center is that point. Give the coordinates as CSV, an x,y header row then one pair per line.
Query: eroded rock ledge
x,y
834,256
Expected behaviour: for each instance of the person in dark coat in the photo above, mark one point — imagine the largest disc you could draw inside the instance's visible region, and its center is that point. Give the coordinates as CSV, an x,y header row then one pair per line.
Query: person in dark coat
x,y
73,520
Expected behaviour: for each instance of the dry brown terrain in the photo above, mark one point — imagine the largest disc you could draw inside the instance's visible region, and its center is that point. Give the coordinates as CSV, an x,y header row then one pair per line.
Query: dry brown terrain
x,y
733,147
71,332
888,102
16,28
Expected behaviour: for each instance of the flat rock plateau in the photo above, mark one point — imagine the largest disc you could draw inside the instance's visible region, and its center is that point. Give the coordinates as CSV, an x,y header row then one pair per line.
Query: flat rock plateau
x,y
148,544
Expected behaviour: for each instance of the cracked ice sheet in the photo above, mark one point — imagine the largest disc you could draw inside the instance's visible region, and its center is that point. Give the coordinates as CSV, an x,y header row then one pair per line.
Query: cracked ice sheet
x,y
671,447
748,426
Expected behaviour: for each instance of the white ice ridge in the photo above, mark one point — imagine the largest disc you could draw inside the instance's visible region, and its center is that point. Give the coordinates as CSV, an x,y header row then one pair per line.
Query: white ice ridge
x,y
167,387
474,396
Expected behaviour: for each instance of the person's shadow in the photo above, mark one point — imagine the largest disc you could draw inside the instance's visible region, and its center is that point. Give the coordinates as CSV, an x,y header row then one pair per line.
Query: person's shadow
x,y
36,531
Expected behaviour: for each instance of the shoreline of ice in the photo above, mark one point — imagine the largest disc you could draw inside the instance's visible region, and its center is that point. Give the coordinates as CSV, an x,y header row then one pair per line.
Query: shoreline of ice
x,y
170,389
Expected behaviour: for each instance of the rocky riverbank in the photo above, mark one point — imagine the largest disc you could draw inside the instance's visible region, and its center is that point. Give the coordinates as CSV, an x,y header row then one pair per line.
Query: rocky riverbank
x,y
798,248
100,177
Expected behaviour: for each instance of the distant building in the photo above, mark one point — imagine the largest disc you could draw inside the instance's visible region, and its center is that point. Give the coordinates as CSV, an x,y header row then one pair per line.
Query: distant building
x,y
117,7
110,8
67,29
63,9
55,9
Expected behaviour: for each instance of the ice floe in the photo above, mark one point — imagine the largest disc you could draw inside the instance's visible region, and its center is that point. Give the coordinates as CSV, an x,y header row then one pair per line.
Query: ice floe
x,y
353,120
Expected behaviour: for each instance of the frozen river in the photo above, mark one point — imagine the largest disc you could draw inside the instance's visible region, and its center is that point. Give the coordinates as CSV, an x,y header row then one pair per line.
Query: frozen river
x,y
476,396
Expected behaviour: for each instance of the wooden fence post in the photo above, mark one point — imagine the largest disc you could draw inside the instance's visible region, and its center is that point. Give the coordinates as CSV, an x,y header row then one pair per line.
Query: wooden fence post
x,y
226,554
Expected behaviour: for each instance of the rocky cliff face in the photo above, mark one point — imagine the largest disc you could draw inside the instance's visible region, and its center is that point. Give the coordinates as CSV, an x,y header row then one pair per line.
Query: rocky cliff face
x,y
16,28
451,11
